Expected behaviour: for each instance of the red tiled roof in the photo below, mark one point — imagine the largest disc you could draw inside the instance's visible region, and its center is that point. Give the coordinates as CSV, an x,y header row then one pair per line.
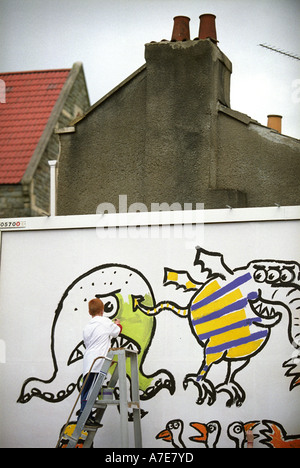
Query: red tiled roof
x,y
30,97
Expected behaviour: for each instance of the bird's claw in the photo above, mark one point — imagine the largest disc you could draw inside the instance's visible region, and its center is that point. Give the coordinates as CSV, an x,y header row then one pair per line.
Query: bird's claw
x,y
206,390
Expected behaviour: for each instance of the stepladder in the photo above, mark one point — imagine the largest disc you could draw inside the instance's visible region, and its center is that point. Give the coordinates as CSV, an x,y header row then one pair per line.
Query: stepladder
x,y
80,435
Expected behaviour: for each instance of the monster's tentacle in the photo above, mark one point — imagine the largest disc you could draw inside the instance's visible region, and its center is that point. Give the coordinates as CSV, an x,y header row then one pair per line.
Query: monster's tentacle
x,y
160,307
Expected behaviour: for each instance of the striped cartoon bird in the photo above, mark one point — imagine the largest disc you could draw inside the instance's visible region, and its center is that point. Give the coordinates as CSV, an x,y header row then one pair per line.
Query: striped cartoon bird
x,y
230,315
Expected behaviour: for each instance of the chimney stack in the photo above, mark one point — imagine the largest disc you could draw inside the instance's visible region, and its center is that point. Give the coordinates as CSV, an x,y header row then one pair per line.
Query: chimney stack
x,y
207,28
185,82
274,122
181,29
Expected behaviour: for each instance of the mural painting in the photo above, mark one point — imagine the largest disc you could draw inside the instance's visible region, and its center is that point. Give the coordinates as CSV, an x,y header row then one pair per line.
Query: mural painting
x,y
269,434
231,313
116,285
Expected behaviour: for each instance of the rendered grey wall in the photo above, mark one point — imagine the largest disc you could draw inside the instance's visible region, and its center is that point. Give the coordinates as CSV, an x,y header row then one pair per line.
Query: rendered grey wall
x,y
167,135
104,157
258,161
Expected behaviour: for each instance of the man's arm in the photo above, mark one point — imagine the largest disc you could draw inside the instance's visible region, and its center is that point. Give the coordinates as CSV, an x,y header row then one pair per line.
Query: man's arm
x,y
116,331
117,322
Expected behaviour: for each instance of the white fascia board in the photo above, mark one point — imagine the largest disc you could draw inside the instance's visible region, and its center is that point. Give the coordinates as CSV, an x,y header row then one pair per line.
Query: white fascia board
x,y
158,218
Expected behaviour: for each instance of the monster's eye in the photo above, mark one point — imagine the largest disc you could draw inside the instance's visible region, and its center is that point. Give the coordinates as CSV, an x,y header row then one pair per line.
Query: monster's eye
x,y
286,275
273,275
111,306
260,276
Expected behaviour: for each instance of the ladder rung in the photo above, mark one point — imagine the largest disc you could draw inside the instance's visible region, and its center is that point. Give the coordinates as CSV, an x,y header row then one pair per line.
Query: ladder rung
x,y
101,403
69,437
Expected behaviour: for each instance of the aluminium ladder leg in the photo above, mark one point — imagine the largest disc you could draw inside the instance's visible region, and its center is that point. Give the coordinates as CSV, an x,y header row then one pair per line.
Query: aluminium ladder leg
x,y
90,403
123,401
101,410
136,397
119,374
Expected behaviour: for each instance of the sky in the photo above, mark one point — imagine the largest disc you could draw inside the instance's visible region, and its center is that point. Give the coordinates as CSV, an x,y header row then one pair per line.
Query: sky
x,y
109,36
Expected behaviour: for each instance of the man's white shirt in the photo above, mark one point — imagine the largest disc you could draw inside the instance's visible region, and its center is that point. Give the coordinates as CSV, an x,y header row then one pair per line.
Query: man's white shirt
x,y
97,336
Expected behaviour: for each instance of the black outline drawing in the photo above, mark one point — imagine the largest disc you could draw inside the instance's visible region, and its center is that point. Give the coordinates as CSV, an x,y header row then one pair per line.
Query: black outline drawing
x,y
267,280
267,312
162,378
266,433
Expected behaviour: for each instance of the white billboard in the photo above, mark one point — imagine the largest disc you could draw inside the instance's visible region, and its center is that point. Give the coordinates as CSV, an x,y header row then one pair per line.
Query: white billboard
x,y
211,301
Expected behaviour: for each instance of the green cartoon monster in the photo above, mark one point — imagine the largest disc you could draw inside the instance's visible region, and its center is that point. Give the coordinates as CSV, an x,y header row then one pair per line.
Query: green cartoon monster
x,y
117,286
137,333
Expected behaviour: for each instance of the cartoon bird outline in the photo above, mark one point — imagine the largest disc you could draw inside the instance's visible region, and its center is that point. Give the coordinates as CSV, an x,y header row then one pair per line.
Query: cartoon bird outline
x,y
276,436
237,431
209,433
173,433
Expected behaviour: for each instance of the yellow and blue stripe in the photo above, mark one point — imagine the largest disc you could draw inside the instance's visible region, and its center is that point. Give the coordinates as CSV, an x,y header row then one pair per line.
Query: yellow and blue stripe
x,y
218,315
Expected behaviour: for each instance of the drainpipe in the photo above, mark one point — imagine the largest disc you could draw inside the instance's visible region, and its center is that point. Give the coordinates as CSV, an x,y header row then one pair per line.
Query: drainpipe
x,y
52,165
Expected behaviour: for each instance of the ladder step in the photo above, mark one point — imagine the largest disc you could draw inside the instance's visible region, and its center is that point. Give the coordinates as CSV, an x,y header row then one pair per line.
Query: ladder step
x,y
102,403
86,430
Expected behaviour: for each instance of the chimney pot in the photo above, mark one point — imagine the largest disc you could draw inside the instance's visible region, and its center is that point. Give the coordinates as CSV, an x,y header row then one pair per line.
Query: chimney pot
x,y
274,122
181,29
207,28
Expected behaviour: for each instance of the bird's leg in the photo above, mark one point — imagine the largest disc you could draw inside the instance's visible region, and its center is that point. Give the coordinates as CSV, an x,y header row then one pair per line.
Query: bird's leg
x,y
234,390
205,387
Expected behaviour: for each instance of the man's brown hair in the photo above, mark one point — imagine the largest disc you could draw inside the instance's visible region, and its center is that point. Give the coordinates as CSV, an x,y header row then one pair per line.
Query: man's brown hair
x,y
96,307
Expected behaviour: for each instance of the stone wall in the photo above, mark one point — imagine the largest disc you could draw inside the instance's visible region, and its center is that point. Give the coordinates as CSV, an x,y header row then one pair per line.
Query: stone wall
x,y
13,201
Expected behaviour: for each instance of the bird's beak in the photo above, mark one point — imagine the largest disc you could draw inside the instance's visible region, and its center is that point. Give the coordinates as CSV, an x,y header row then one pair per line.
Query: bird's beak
x,y
250,427
165,435
201,428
